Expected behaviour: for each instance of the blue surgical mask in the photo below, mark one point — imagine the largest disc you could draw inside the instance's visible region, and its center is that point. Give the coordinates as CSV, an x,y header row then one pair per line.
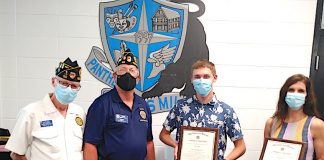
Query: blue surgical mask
x,y
65,95
295,100
202,86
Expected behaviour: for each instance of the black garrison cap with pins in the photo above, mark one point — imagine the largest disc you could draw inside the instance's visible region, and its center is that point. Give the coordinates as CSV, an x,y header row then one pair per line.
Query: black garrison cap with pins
x,y
127,58
69,70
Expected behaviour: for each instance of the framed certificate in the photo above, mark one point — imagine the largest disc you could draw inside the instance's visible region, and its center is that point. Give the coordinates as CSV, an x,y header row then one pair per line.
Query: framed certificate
x,y
275,148
197,143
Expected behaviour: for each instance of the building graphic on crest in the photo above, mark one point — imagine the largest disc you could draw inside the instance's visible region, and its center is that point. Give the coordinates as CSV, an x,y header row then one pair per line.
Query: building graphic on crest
x,y
165,20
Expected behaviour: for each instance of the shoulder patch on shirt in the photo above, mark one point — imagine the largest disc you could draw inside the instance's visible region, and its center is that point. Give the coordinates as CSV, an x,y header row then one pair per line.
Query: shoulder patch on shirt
x,y
79,121
121,118
46,123
142,114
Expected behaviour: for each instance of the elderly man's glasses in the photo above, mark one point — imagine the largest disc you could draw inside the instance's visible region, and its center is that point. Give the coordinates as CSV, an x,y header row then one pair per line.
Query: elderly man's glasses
x,y
65,84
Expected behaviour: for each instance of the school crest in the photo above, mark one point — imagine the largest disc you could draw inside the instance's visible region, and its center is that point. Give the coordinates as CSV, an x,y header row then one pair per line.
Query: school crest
x,y
154,31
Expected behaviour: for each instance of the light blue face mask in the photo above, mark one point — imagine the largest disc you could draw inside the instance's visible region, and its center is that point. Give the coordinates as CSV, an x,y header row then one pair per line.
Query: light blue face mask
x,y
202,86
65,95
295,100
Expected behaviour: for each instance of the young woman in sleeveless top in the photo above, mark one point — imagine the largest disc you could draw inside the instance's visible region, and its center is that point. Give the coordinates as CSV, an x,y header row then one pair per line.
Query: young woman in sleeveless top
x,y
296,117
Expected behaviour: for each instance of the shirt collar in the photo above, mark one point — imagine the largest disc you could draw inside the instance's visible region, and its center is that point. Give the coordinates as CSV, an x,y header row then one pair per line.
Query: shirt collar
x,y
116,98
212,102
115,95
48,104
50,107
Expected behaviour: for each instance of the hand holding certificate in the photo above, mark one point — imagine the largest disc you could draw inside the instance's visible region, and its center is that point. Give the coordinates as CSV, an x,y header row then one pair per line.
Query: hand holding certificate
x,y
282,149
198,143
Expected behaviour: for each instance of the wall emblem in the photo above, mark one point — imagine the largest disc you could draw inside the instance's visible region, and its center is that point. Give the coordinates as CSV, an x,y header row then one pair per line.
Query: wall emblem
x,y
154,30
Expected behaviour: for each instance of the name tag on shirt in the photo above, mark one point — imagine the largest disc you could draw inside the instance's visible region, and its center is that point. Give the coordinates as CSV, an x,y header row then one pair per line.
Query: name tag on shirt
x,y
46,123
121,118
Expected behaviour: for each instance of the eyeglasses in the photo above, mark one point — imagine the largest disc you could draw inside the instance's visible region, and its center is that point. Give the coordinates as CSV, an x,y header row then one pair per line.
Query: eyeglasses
x,y
65,84
132,71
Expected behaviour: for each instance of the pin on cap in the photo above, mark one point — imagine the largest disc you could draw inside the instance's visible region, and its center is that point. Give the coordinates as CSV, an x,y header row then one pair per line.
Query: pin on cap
x,y
69,70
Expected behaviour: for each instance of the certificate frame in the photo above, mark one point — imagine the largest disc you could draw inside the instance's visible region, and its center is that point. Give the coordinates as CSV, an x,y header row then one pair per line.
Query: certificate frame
x,y
211,133
264,152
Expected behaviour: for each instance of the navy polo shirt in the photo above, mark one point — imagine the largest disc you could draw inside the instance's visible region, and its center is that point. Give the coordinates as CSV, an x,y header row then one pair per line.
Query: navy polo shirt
x,y
118,132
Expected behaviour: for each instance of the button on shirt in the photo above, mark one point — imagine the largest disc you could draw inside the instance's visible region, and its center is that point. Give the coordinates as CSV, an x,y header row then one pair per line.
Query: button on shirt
x,y
49,136
120,133
215,114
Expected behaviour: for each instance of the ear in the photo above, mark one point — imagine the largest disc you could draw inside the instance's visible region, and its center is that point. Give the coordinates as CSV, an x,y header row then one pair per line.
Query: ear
x,y
215,78
53,81
115,76
191,79
138,78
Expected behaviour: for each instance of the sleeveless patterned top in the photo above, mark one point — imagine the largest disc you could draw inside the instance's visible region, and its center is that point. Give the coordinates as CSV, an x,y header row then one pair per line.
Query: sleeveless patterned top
x,y
297,131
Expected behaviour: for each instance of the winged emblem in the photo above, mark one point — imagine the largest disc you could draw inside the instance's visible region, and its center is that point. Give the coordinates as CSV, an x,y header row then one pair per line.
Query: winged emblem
x,y
159,58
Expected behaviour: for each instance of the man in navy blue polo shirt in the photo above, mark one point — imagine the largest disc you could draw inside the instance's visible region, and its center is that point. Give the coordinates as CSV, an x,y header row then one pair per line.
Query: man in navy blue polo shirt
x,y
119,122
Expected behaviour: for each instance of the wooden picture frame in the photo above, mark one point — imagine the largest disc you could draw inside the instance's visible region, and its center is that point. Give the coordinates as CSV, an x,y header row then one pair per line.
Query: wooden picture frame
x,y
274,148
198,143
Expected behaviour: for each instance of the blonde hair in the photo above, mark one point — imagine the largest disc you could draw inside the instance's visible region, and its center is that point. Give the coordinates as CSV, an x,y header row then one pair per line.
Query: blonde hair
x,y
202,64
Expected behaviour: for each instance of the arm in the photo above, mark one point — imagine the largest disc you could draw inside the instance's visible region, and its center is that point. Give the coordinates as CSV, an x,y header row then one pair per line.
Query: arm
x,y
167,139
90,152
234,131
317,130
150,151
93,130
238,150
20,138
15,156
267,130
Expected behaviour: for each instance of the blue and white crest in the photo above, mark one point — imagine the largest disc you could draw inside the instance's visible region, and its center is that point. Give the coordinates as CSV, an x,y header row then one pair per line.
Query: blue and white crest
x,y
154,31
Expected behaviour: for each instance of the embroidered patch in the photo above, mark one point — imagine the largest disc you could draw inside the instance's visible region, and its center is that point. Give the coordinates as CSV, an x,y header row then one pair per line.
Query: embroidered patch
x,y
142,115
121,118
46,123
79,121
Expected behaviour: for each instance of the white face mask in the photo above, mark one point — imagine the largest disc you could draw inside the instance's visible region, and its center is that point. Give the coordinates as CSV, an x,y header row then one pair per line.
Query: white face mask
x,y
295,100
202,86
65,95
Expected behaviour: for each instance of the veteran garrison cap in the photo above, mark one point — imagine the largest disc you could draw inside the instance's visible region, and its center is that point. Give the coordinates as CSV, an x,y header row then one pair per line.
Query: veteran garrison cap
x,y
127,58
69,70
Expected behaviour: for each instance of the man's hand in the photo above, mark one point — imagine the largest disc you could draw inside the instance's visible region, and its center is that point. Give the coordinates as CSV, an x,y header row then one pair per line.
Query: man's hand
x,y
15,156
90,151
176,152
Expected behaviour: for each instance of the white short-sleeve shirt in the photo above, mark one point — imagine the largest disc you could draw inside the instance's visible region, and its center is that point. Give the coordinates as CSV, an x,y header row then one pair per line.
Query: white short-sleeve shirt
x,y
43,131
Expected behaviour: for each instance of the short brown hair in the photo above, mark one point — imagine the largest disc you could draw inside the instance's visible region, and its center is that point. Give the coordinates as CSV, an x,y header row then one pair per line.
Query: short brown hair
x,y
204,63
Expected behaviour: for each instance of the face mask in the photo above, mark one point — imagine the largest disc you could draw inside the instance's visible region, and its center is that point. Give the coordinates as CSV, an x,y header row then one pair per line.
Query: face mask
x,y
65,95
202,86
295,100
126,82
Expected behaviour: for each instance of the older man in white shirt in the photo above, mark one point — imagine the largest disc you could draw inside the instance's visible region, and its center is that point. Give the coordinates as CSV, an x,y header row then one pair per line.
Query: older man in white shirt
x,y
52,128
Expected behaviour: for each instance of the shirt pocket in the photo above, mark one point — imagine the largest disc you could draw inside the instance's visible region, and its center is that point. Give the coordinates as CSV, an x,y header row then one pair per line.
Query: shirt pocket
x,y
115,127
144,128
47,138
77,138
